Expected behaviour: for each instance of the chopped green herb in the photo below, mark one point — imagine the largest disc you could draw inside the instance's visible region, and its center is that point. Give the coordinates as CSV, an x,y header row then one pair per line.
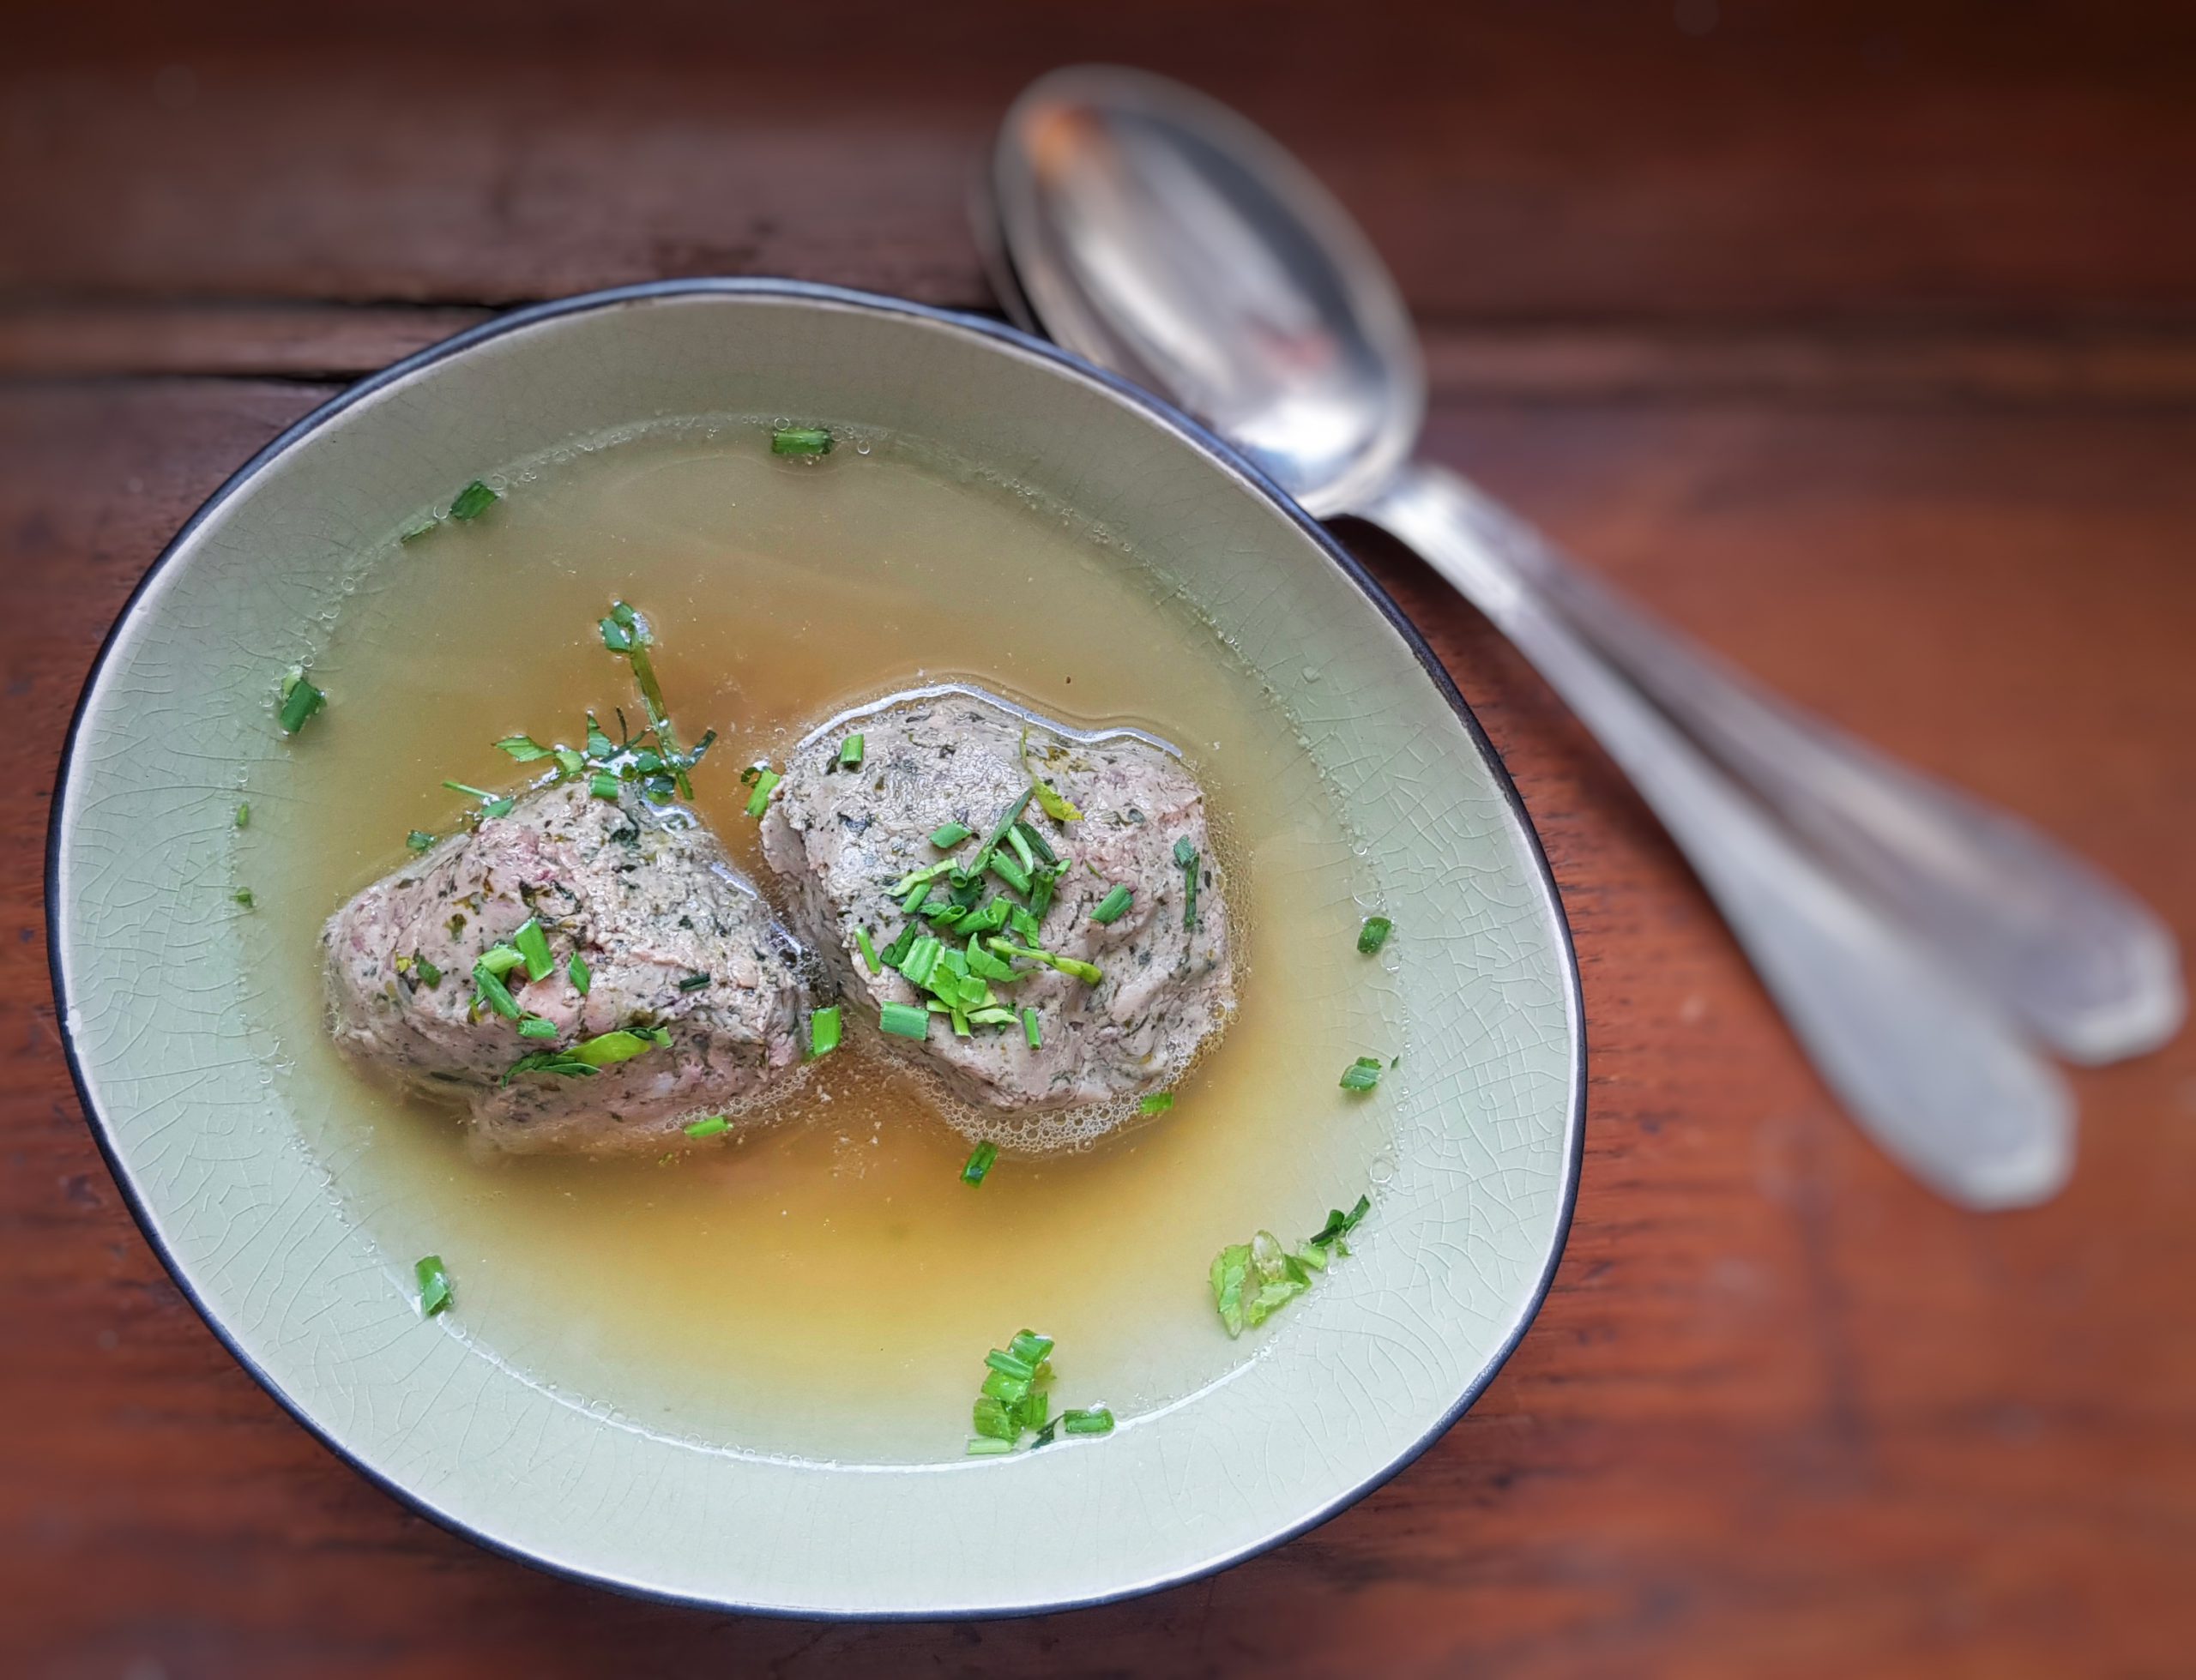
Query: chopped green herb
x,y
562,1061
425,972
868,951
1037,843
850,753
800,441
693,983
522,748
897,953
824,1031
1157,1103
1022,851
500,960
1057,806
1374,934
1186,855
493,992
474,500
535,1026
1012,815
300,701
1088,973
532,945
419,840
1251,1281
759,800
602,784
434,1285
1002,865
498,807
1030,1030
1339,1225
947,835
979,1163
598,745
468,787
904,1020
243,816
1095,1421
713,1126
623,1046
1362,1075
244,898
582,976
987,1446
1113,906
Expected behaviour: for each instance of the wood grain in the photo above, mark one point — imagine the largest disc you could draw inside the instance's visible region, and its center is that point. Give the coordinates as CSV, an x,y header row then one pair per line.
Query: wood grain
x,y
1878,379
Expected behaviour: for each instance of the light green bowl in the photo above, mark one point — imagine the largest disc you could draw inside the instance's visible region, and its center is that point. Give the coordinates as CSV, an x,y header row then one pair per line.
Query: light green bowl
x,y
1343,1390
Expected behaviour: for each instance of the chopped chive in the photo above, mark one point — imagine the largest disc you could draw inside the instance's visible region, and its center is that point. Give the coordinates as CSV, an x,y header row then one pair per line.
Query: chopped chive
x,y
602,784
300,701
244,897
425,972
1030,1030
1088,973
1186,856
493,991
535,1026
419,840
1021,849
474,500
947,835
897,953
1095,1421
693,983
1339,1225
1057,806
991,1417
868,951
500,960
904,1020
468,787
1012,816
433,1279
244,815
710,1127
979,1163
1037,843
1362,1075
532,945
1003,865
987,1446
605,1048
523,748
559,1062
1113,906
1374,934
759,800
1010,1364
800,441
582,976
824,1031
1157,1103
1030,1348
498,807
850,753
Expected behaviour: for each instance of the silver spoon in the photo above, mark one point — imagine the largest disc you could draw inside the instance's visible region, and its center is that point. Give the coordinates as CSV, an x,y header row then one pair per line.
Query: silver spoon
x,y
1157,233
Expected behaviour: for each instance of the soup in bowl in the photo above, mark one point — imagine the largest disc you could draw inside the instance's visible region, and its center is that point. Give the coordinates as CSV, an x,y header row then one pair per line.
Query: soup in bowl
x,y
783,949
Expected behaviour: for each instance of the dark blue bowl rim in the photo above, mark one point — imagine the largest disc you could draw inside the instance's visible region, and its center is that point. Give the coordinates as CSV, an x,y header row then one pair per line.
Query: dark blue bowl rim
x,y
1192,433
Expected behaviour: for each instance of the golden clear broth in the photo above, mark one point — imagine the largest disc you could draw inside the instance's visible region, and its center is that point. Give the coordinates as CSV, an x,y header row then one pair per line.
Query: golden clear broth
x,y
827,1287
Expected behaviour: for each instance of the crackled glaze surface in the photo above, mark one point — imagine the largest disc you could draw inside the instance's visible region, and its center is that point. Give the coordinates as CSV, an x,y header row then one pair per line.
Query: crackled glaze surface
x,y
1485,1117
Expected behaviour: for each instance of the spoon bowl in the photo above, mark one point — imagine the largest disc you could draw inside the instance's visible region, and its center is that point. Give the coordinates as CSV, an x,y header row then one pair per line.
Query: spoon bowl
x,y
1227,276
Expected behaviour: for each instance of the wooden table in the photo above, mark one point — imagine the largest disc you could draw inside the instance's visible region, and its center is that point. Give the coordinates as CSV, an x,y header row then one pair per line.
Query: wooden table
x,y
1860,339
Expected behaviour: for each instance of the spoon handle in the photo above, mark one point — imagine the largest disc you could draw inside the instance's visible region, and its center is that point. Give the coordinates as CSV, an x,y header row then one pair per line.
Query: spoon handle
x,y
1937,1077
2080,961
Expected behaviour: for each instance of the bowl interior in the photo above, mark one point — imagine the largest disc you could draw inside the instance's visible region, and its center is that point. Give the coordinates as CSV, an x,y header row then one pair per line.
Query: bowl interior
x,y
1342,1389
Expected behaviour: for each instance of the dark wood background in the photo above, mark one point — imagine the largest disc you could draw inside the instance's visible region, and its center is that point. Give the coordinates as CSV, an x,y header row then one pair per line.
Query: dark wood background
x,y
1860,339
